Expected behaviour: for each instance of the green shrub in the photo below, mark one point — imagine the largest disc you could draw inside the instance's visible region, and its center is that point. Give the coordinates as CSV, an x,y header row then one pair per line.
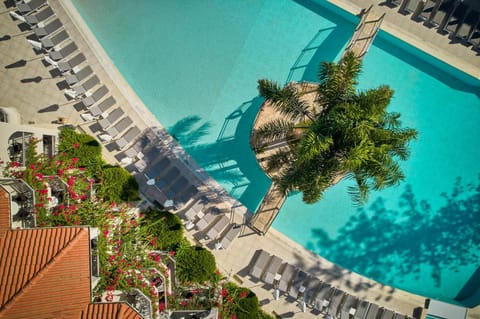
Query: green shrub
x,y
165,227
243,302
117,185
194,264
84,147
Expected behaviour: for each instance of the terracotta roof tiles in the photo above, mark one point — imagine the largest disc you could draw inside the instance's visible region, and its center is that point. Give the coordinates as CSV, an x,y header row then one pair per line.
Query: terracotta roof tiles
x,y
44,271
109,311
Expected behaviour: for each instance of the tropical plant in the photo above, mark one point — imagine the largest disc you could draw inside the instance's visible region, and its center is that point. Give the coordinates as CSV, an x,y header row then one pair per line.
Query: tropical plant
x,y
165,228
195,264
342,133
117,184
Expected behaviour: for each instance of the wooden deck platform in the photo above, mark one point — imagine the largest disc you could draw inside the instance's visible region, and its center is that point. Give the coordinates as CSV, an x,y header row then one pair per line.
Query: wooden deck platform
x,y
365,32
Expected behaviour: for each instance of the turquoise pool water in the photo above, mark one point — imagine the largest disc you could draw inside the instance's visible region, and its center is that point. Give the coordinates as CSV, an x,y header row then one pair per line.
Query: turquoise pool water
x,y
195,65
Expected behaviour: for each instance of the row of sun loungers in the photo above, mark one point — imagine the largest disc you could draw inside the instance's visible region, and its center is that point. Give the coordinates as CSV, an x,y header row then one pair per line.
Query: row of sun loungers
x,y
313,292
62,53
212,224
458,18
102,110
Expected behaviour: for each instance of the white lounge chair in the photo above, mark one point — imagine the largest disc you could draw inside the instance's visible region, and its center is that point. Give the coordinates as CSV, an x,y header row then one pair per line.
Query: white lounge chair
x,y
321,299
335,302
95,97
297,283
27,7
260,264
111,118
80,89
119,127
40,16
217,228
229,236
51,27
272,270
62,53
128,137
349,307
311,288
78,76
288,274
70,64
362,310
54,40
205,221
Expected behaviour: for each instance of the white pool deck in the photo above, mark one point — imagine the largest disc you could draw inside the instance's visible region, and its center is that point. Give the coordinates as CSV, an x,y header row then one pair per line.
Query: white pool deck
x,y
31,97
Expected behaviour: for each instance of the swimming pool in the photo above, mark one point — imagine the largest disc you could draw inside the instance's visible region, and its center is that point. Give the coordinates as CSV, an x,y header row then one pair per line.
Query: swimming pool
x,y
195,65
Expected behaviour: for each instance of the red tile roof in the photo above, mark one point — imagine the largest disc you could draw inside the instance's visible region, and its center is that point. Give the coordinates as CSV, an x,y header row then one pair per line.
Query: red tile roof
x,y
109,311
4,217
45,273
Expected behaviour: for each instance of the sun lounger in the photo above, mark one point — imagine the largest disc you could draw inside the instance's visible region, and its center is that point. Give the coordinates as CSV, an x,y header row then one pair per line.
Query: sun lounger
x,y
288,274
120,127
323,296
373,311
397,316
218,227
456,18
158,168
297,282
414,7
311,289
349,307
80,89
78,76
193,212
51,27
335,302
187,194
229,236
205,221
387,314
427,9
128,137
95,97
70,64
361,310
25,7
56,39
111,118
465,29
474,39
63,52
40,16
167,177
260,264
440,16
272,270
102,107
176,187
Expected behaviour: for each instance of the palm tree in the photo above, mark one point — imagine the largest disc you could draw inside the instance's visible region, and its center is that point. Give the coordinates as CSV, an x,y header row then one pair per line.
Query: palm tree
x,y
342,133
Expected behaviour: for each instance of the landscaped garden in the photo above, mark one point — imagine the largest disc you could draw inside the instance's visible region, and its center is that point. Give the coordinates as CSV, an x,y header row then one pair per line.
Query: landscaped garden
x,y
138,250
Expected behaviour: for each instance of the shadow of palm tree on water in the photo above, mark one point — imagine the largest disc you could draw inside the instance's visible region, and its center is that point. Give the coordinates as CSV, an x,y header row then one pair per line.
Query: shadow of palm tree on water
x,y
386,243
229,160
